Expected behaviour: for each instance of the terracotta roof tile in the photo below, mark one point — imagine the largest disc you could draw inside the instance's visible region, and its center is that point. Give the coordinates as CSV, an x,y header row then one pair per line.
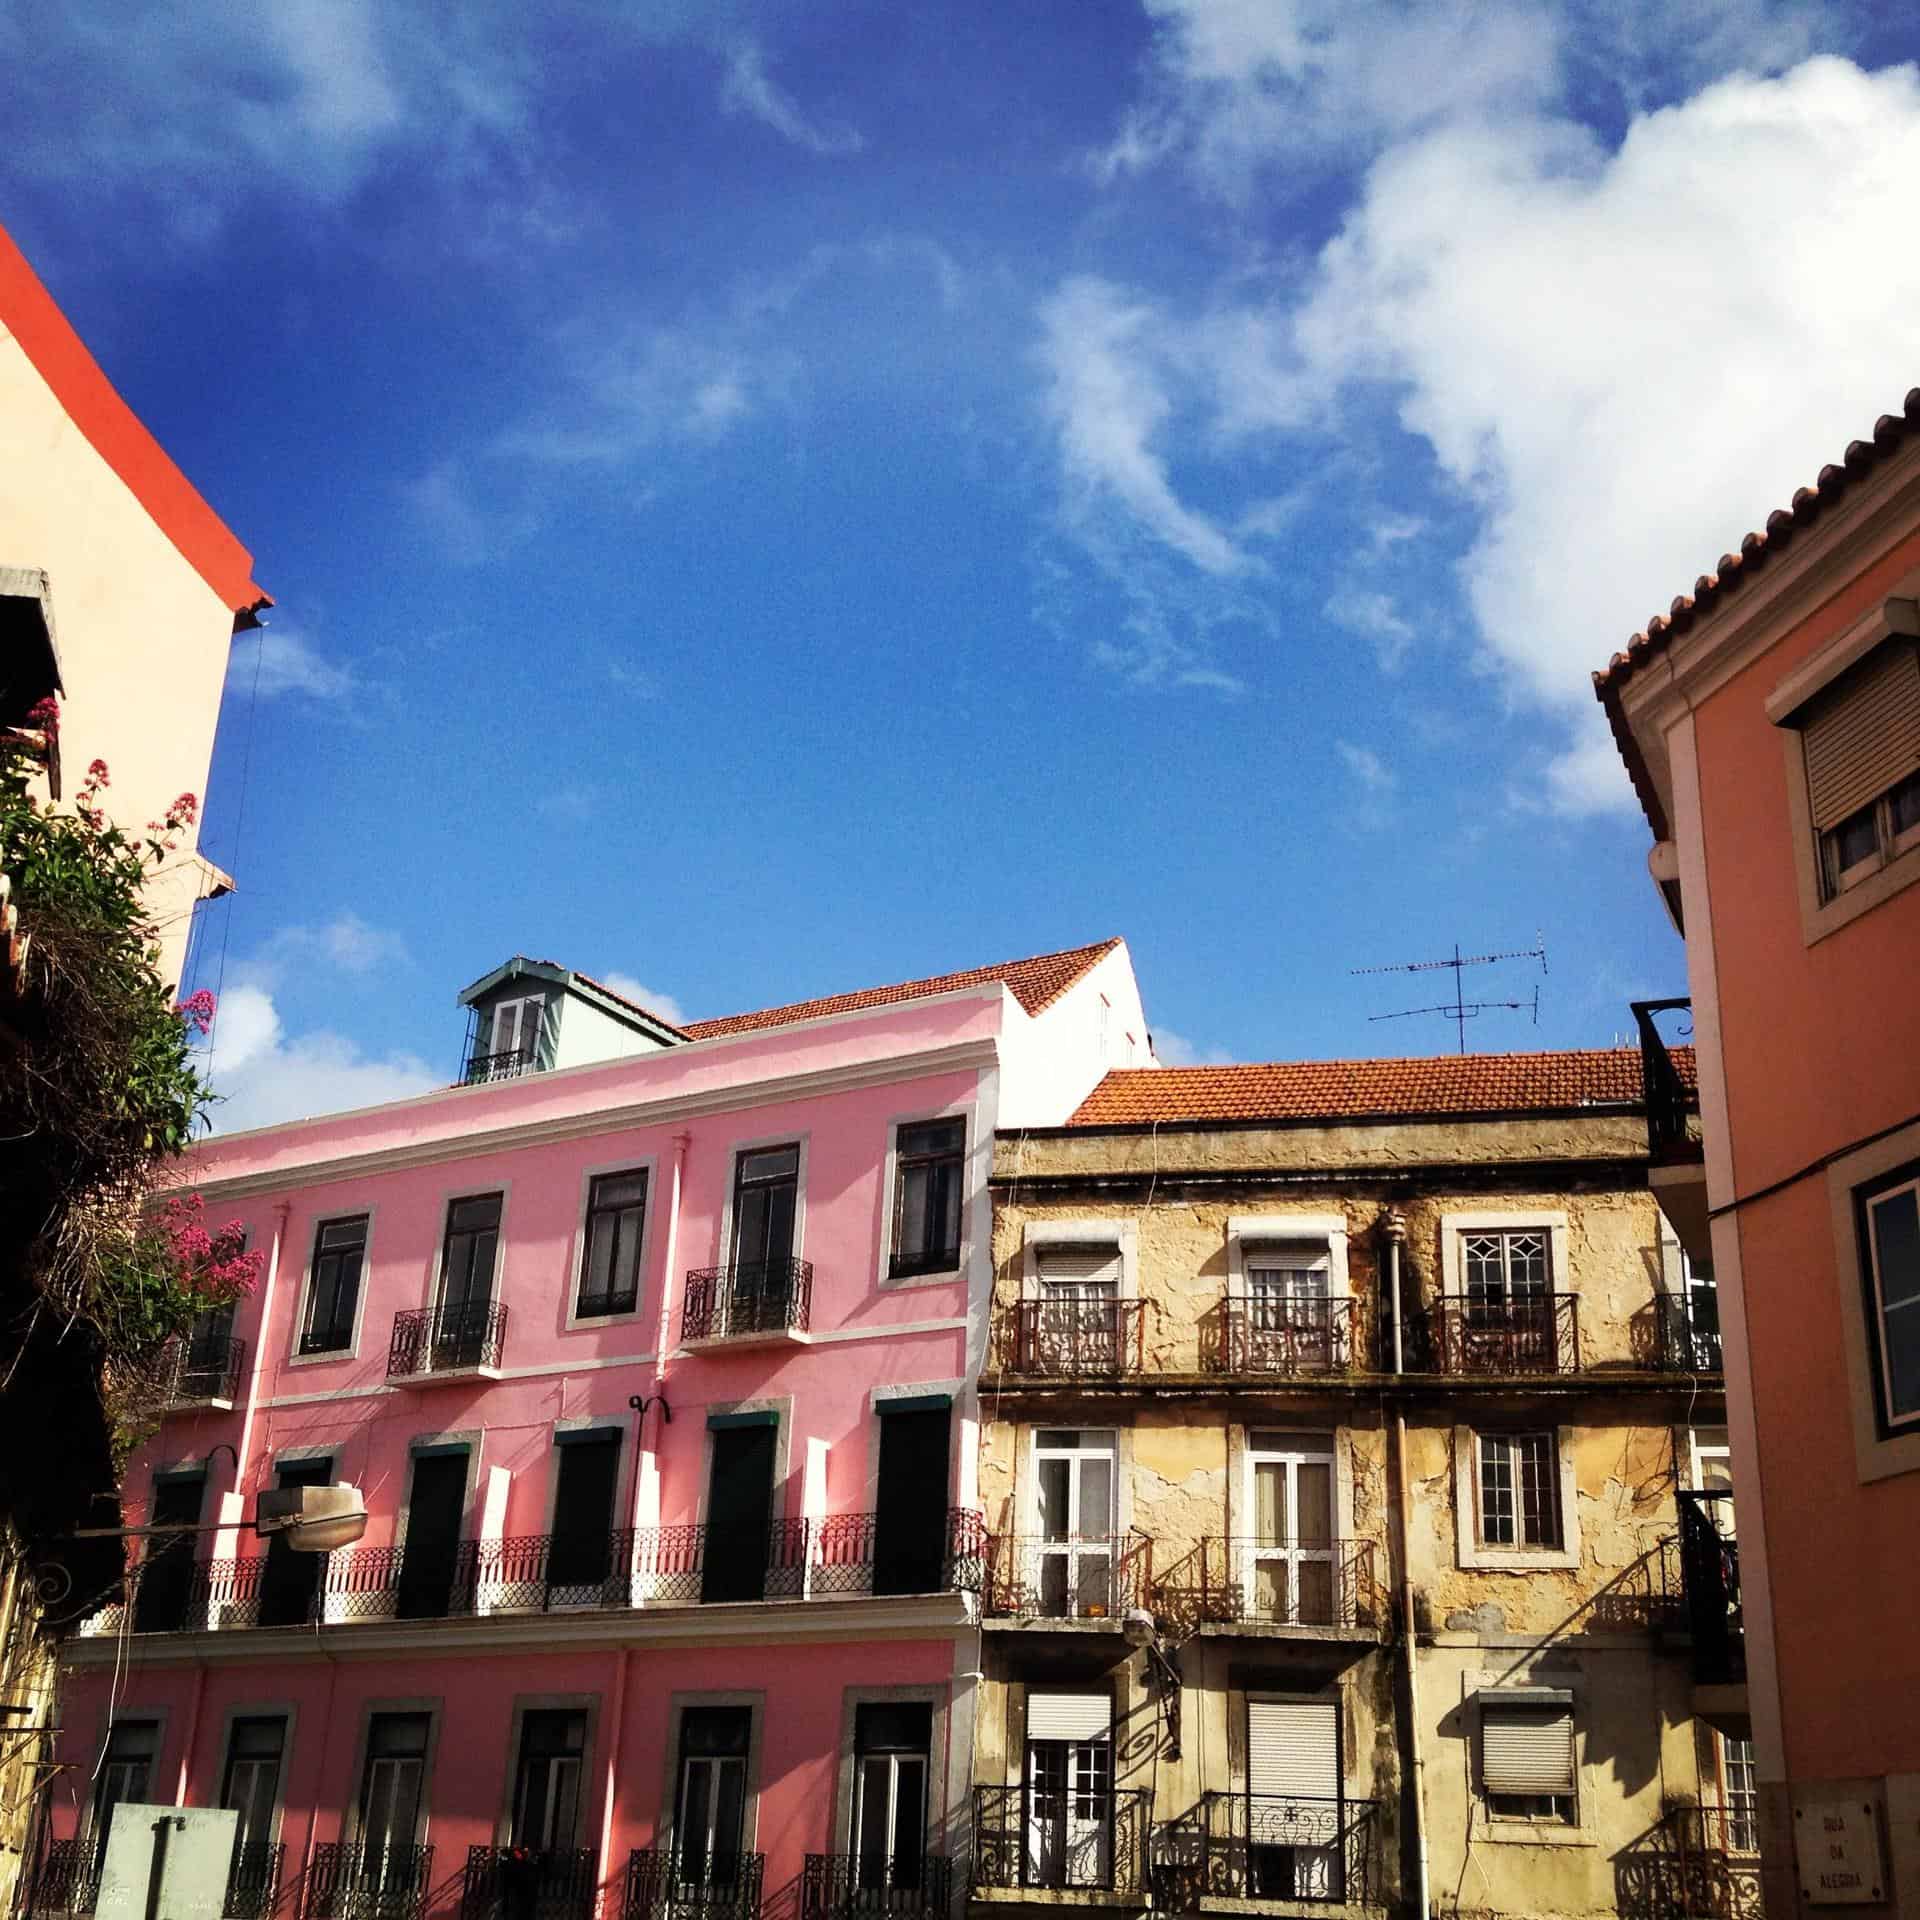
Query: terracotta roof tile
x,y
1369,1089
1732,573
1035,983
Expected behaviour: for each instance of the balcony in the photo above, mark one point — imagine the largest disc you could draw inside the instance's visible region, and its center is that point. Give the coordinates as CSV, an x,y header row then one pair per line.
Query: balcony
x,y
1709,1569
483,1068
1504,1338
1072,1339
1699,1861
67,1881
843,1886
253,1881
1676,1169
206,1372
1026,1836
1240,1846
1095,1577
463,1341
693,1886
751,1303
1683,1340
525,1883
367,1883
1282,1339
1326,1586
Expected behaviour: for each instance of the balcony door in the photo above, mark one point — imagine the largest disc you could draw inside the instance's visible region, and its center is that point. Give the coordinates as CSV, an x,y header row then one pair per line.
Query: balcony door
x,y
1075,1478
1289,1323
766,1204
467,1259
256,1748
392,1798
429,1560
710,1807
1289,1559
1069,1790
1295,1816
290,1580
910,1500
891,1744
546,1788
164,1595
125,1774
1509,1320
580,1558
739,1511
1076,1325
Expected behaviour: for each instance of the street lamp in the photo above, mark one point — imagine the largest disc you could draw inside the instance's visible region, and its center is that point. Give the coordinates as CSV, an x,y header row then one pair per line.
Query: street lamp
x,y
308,1519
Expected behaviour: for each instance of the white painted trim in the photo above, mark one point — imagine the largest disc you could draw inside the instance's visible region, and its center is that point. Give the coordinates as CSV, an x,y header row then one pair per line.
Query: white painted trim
x,y
956,1323
1329,1229
1469,1553
1893,619
337,1355
469,1144
1122,1235
1453,1225
575,1321
976,1156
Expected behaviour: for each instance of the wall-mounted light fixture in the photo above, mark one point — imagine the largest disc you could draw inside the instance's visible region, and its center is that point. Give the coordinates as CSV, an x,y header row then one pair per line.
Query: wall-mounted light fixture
x,y
640,1402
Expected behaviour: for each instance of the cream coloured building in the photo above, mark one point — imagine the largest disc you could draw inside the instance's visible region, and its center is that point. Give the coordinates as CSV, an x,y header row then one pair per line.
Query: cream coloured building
x,y
1306,1593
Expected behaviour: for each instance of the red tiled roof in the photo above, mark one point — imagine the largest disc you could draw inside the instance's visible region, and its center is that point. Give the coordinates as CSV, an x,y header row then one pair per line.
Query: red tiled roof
x,y
1035,983
1369,1089
1735,569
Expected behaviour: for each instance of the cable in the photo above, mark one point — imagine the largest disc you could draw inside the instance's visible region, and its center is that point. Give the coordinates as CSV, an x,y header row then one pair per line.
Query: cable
x,y
239,823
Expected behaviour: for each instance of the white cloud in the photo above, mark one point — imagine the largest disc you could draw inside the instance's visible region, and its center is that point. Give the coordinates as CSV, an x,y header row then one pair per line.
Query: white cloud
x,y
1176,1050
1373,616
442,501
1389,530
275,660
750,89
572,804
264,1076
1367,767
1625,360
664,1004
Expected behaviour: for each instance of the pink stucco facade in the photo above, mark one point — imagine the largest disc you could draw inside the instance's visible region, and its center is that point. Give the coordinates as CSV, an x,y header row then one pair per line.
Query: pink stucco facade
x,y
636,1648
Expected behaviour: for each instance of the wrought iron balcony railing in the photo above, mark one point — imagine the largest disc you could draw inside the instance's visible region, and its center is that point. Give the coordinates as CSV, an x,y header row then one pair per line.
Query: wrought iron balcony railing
x,y
1089,1577
686,1885
253,1881
509,1065
1242,1846
545,1572
206,1371
852,1553
1029,1836
1283,1339
64,1882
1534,1335
1281,1583
452,1339
1072,1337
851,1886
750,1297
345,1882
1685,1340
1700,1861
528,1883
1709,1569
1668,1099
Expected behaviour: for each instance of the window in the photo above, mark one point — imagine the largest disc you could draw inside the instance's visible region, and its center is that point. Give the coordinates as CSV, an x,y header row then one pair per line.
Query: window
x,y
1069,1801
516,1027
1505,1267
546,1790
1739,1797
162,1599
467,1259
766,1198
1860,739
580,1558
929,1168
891,1742
710,1810
1526,1755
1075,1481
333,1293
1890,1240
251,1787
616,1225
1294,1812
1519,1490
392,1792
126,1773
1288,1569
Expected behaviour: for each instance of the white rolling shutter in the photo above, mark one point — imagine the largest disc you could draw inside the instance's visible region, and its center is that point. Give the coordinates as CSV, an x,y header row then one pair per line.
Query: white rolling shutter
x,y
1526,1747
1293,1747
1863,735
1068,1716
1080,1267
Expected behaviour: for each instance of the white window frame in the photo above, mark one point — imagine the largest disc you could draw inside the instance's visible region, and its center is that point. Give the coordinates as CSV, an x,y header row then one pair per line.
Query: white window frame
x,y
315,1221
1879,1451
519,1003
1503,1829
1121,1476
1326,1230
524,1704
1470,1552
287,1713
434,1707
755,1701
974,1155
939,1814
800,1138
1339,1500
1553,1223
1122,1235
575,1320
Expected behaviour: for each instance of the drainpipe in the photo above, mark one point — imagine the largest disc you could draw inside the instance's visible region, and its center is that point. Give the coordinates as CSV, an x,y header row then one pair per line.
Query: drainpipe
x,y
616,1724
1394,1227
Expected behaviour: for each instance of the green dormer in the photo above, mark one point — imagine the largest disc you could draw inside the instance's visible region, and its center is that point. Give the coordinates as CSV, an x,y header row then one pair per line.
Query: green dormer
x,y
531,1016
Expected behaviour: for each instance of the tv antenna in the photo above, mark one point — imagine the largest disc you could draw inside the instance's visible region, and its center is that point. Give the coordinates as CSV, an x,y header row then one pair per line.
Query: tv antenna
x,y
1460,1010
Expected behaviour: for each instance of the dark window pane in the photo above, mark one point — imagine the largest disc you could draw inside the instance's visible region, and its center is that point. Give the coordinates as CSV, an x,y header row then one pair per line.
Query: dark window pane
x,y
890,1726
715,1730
1904,804
616,1215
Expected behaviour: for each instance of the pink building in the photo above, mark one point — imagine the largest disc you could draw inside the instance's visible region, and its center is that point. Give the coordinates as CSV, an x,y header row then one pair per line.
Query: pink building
x,y
652,1351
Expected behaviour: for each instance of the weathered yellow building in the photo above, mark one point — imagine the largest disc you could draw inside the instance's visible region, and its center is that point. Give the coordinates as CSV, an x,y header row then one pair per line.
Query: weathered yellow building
x,y
1339,1428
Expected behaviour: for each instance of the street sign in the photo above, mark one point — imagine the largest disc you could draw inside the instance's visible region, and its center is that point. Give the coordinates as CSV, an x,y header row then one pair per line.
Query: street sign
x,y
1837,1843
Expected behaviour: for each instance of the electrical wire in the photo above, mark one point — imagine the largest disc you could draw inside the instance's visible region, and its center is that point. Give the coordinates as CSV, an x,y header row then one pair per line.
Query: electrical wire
x,y
239,823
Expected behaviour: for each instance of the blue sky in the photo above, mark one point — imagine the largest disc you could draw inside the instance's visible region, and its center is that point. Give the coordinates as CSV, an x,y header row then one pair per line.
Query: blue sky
x,y
764,499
